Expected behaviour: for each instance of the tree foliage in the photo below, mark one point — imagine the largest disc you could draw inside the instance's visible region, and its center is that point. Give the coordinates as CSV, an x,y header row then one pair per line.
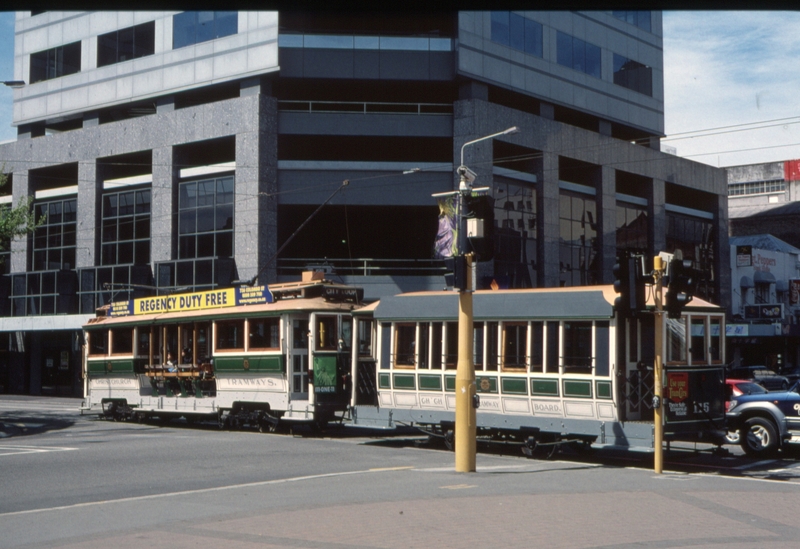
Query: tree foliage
x,y
15,221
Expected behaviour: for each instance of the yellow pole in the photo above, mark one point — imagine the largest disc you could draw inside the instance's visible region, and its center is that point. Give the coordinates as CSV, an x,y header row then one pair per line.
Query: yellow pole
x,y
658,370
465,381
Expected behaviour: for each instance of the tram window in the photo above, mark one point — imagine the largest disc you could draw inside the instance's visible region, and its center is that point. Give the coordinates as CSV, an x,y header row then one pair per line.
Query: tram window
x,y
515,335
143,342
436,346
98,343
187,342
601,347
230,335
265,333
404,343
477,345
697,345
155,345
633,340
578,347
423,360
715,337
171,341
676,340
365,338
492,329
327,333
537,347
122,341
451,346
552,353
202,351
346,337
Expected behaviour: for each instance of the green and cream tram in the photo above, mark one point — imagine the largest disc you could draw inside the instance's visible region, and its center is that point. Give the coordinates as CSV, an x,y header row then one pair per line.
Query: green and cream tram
x,y
551,365
249,355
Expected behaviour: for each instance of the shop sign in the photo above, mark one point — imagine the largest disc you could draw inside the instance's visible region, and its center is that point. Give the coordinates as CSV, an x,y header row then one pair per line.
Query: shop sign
x,y
772,311
744,256
737,330
794,291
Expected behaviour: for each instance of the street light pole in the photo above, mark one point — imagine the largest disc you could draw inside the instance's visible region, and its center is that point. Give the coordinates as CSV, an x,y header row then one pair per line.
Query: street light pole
x,y
466,431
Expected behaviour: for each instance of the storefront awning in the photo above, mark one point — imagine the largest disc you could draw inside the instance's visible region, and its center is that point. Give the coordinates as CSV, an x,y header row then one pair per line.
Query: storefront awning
x,y
746,282
763,277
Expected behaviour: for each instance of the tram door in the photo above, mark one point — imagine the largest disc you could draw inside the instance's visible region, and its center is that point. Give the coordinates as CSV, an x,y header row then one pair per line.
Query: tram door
x,y
638,354
298,357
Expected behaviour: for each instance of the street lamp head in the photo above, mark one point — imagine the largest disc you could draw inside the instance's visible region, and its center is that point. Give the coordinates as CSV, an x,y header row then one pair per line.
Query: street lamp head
x,y
511,130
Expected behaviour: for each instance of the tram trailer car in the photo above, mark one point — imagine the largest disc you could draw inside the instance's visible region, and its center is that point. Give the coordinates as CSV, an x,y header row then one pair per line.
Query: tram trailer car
x,y
253,356
552,365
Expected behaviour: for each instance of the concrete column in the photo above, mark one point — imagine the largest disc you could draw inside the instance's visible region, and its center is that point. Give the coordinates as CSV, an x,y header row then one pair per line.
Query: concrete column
x,y
722,260
19,246
607,223
90,190
550,227
164,207
165,104
256,207
657,217
91,119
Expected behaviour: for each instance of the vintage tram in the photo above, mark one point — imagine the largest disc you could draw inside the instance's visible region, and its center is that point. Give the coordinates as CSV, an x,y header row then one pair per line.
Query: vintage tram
x,y
249,355
552,365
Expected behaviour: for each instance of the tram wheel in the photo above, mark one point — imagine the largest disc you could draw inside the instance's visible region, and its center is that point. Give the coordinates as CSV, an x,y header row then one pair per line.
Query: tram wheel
x,y
450,440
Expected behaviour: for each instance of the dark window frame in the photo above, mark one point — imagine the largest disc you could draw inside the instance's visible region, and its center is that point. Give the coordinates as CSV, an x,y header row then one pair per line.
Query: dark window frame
x,y
126,44
195,27
633,75
55,62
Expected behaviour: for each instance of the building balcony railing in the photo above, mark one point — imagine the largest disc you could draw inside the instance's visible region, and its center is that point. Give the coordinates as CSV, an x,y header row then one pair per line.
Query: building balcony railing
x,y
362,266
364,107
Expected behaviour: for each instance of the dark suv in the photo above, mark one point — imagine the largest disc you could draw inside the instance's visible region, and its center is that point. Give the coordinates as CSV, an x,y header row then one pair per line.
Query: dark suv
x,y
766,422
761,375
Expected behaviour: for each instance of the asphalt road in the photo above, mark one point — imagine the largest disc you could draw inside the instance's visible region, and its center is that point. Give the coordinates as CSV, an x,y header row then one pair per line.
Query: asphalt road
x,y
72,481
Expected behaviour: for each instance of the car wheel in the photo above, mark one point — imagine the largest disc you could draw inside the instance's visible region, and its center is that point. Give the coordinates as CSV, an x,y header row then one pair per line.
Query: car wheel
x,y
732,437
759,437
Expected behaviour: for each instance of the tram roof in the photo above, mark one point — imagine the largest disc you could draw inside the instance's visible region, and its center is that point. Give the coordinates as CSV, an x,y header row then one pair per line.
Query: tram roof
x,y
531,303
264,309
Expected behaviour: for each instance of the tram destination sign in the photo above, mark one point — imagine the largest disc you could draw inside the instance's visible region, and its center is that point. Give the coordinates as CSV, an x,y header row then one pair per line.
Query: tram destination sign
x,y
193,301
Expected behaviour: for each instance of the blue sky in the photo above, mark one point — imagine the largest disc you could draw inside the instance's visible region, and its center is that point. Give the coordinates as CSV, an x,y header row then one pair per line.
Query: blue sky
x,y
730,78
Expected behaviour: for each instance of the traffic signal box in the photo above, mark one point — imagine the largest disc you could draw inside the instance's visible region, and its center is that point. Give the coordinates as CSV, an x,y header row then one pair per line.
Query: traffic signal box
x,y
481,206
630,283
681,286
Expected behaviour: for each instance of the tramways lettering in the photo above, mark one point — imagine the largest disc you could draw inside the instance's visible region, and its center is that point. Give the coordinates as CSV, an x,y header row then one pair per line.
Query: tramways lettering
x,y
426,400
249,383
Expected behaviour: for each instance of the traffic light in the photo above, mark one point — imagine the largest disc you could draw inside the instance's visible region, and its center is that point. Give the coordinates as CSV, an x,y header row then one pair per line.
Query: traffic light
x,y
481,207
681,287
456,272
630,284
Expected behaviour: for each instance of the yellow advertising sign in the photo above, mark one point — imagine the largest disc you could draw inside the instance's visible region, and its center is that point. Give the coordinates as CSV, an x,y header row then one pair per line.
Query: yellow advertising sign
x,y
197,301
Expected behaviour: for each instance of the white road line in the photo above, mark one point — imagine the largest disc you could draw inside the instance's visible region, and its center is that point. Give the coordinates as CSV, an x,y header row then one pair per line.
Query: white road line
x,y
756,464
17,450
189,492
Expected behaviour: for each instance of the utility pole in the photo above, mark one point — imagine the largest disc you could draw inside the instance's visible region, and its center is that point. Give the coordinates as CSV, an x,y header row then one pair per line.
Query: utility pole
x,y
658,368
466,395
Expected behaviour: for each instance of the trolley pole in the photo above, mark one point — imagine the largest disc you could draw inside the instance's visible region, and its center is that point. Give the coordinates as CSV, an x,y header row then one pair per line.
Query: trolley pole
x,y
658,369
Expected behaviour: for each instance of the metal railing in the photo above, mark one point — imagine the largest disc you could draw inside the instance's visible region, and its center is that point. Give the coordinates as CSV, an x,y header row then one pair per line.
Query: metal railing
x,y
364,107
362,266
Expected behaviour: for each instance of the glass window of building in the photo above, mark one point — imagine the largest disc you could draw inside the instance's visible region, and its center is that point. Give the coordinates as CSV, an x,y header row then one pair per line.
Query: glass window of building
x,y
126,44
194,27
515,233
633,75
55,62
632,227
640,18
515,31
578,239
126,228
205,220
578,55
694,237
54,241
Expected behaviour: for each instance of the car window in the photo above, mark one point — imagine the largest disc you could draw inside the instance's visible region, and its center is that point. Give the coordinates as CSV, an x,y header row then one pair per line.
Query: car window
x,y
751,388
